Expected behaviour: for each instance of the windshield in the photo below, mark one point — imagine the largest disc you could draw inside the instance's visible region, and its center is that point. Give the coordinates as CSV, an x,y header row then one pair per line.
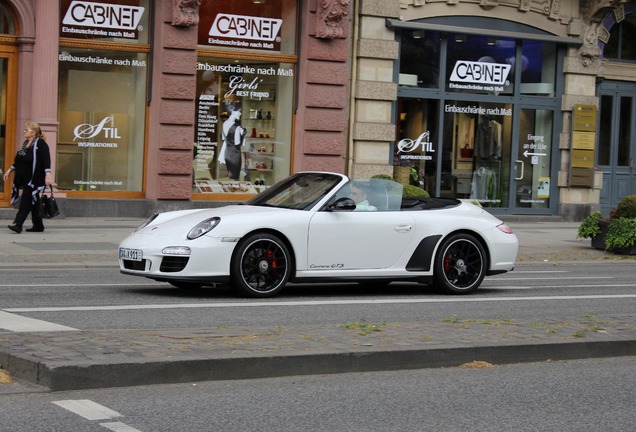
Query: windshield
x,y
300,191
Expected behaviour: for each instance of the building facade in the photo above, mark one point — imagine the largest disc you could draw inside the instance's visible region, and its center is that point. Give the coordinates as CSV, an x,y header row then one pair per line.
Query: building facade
x,y
525,106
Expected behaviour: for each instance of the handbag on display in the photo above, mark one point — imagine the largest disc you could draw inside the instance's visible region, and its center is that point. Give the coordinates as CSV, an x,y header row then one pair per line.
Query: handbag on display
x,y
48,205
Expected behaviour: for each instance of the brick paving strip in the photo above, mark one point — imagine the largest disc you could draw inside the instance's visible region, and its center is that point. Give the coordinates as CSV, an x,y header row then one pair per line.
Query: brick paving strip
x,y
94,359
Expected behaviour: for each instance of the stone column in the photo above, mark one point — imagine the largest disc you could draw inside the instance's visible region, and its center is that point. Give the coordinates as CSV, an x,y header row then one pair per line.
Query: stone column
x,y
324,68
172,110
45,70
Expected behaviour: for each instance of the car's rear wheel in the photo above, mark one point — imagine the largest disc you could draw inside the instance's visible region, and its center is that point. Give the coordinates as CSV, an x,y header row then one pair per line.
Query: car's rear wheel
x,y
460,264
260,266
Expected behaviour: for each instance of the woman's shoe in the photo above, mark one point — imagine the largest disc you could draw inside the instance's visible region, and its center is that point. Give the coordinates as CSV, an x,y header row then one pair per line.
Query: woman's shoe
x,y
34,229
15,228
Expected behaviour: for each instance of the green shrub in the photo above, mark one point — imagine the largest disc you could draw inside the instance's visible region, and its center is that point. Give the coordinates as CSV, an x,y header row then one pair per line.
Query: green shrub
x,y
621,234
589,228
383,177
626,208
414,191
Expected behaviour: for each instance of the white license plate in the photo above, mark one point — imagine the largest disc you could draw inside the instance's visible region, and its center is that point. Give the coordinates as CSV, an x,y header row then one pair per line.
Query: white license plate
x,y
131,254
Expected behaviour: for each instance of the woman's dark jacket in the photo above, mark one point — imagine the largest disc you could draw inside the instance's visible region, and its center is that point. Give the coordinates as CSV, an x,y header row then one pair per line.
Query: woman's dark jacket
x,y
33,173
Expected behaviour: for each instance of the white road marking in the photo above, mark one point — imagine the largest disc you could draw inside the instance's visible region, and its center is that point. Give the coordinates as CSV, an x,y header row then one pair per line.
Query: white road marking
x,y
547,278
88,409
539,271
473,299
119,427
17,323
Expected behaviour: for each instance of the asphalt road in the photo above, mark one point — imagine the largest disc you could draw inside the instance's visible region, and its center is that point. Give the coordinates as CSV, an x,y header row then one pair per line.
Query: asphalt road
x,y
584,395
568,395
93,299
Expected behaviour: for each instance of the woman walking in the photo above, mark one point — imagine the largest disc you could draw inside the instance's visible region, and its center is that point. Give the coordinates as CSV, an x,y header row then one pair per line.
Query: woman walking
x,y
32,172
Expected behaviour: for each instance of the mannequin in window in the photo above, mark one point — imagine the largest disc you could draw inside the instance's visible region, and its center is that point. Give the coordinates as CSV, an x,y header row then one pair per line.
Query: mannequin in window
x,y
233,135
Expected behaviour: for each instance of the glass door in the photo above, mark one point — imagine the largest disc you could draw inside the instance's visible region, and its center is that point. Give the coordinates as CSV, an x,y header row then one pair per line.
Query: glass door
x,y
532,168
616,146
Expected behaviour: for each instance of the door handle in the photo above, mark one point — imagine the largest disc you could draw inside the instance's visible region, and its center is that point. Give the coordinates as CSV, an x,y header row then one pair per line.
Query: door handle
x,y
522,167
403,228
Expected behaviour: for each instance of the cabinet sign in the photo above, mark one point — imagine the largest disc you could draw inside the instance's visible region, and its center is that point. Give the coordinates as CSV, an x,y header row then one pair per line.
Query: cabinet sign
x,y
241,24
480,72
89,19
246,27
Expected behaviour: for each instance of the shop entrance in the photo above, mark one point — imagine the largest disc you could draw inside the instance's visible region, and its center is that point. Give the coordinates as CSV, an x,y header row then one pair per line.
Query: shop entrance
x,y
532,166
617,142
8,85
496,154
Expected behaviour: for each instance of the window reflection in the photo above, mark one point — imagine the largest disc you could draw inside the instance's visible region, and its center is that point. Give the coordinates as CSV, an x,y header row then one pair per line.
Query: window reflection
x,y
421,50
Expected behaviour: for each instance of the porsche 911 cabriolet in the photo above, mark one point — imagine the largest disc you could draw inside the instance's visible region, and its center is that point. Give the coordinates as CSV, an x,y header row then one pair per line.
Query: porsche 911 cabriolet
x,y
323,227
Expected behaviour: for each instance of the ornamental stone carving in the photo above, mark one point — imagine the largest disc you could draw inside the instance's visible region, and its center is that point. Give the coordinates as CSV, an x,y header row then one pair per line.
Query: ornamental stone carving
x,y
331,19
555,10
489,4
590,51
185,13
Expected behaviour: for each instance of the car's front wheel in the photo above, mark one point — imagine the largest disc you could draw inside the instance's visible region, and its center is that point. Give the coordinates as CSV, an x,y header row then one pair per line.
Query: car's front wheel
x,y
460,264
260,266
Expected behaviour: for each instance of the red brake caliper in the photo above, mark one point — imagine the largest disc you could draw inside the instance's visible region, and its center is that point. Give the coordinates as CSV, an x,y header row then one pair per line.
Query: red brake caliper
x,y
270,255
447,263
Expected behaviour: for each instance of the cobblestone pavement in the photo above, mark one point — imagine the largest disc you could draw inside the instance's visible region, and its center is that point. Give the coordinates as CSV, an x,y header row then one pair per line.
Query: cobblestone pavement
x,y
85,359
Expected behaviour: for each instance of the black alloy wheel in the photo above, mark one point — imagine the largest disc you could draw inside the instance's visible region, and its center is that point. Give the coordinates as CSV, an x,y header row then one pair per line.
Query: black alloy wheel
x,y
460,264
260,266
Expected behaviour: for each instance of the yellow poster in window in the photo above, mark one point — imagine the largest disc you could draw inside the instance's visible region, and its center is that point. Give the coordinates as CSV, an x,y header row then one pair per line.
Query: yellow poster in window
x,y
543,190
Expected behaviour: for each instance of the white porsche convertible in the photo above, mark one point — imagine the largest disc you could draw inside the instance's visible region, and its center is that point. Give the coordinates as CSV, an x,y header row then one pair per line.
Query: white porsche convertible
x,y
323,227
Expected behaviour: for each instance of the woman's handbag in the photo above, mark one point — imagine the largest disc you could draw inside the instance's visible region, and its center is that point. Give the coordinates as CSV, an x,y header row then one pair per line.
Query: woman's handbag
x,y
48,205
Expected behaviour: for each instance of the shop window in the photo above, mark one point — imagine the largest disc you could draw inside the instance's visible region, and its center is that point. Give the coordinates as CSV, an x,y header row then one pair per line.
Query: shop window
x,y
415,155
480,64
102,105
420,51
538,68
476,151
243,129
103,68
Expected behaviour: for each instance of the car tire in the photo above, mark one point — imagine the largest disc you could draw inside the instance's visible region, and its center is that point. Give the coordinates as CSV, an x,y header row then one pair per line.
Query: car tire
x,y
460,264
260,266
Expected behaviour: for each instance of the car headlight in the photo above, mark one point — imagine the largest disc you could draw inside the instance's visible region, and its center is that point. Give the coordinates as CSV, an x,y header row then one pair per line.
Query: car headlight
x,y
147,221
203,227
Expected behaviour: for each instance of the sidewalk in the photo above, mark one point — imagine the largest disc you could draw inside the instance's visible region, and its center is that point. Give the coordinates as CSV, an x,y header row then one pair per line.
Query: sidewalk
x,y
66,360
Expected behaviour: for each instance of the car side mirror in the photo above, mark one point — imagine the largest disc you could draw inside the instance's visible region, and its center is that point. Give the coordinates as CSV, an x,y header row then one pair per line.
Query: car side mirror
x,y
342,204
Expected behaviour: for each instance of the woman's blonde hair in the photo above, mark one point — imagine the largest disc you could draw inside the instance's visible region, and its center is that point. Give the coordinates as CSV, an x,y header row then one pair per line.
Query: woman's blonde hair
x,y
35,127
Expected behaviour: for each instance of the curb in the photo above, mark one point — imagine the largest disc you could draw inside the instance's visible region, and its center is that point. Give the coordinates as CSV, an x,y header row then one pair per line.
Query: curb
x,y
82,375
